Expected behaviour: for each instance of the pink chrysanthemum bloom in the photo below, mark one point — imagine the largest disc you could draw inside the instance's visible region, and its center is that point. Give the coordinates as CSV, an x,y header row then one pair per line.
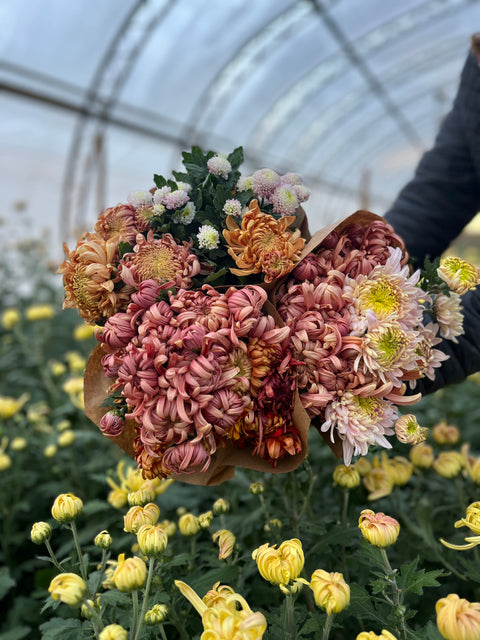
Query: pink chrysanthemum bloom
x,y
448,314
117,222
292,179
208,308
264,182
91,279
360,422
112,424
143,216
284,200
161,260
219,166
428,358
388,351
388,292
302,193
176,199
160,194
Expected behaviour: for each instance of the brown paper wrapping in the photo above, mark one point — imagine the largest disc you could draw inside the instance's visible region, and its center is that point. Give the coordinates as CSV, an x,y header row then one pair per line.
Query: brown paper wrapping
x,y
225,459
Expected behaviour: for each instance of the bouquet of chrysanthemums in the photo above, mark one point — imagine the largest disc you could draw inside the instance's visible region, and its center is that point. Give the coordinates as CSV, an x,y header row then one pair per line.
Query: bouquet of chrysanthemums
x,y
225,330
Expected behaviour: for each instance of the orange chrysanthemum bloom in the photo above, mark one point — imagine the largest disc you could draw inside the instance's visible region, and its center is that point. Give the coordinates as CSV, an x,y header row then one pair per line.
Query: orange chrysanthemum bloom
x,y
89,277
263,244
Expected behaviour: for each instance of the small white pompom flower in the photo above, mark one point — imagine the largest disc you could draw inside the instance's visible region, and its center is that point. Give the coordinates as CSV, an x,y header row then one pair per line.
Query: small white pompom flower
x,y
208,237
184,186
219,166
139,198
159,195
185,215
244,183
232,207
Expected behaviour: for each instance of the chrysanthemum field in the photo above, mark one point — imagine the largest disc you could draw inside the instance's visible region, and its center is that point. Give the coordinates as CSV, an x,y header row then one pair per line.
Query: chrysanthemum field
x,y
89,549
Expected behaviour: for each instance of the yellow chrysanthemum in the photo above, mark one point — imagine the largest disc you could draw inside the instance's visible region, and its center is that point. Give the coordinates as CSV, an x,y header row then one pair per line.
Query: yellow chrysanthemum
x,y
460,275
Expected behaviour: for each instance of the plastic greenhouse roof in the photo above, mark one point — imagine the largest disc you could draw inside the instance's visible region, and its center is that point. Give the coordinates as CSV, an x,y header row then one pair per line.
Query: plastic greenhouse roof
x,y
98,96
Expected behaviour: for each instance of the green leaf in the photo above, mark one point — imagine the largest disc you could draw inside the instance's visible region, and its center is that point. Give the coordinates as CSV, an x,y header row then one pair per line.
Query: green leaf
x,y
361,605
236,158
62,629
312,625
124,247
159,181
6,582
213,277
411,579
16,633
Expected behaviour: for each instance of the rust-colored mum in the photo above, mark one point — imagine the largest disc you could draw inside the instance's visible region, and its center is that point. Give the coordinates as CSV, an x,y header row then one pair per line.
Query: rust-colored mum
x,y
263,244
118,222
89,277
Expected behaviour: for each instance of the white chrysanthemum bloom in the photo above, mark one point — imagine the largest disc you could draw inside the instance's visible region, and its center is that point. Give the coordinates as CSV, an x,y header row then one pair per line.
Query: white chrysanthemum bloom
x,y
159,195
264,182
185,215
360,422
388,351
244,183
232,207
448,313
389,292
159,209
219,166
460,275
184,186
139,198
302,193
208,237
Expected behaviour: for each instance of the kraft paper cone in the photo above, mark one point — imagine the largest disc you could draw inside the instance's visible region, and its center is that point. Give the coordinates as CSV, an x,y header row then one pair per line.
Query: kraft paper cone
x,y
225,459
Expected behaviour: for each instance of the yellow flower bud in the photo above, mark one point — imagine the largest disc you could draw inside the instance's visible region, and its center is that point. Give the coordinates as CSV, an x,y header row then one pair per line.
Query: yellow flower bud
x,y
50,451
152,540
444,433
458,618
18,444
63,425
448,464
10,317
57,369
378,529
379,483
117,498
346,477
188,525
330,591
103,540
141,497
472,521
108,582
363,466
169,527
69,588
66,507
272,524
113,632
10,406
66,439
226,543
130,573
205,519
76,362
83,331
409,431
421,456
40,532
5,461
156,615
221,506
39,312
370,635
471,463
256,488
87,607
398,468
280,566
138,516
460,275
181,511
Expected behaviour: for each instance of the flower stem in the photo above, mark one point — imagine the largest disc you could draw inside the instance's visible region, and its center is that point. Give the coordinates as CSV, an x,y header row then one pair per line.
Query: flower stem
x,y
289,615
346,498
53,557
327,627
162,633
134,612
146,592
396,594
73,528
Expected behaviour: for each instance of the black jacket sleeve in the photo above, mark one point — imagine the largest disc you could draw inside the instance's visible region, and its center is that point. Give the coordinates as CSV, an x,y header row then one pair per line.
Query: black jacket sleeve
x,y
433,209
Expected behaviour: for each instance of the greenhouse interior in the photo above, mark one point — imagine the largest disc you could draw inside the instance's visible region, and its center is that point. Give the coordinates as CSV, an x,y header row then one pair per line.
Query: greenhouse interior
x,y
240,320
